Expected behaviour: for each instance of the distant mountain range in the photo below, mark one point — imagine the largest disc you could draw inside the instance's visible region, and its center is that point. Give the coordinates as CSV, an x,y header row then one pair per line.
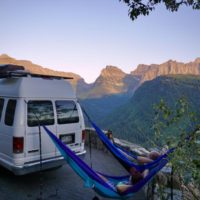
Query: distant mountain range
x,y
124,102
113,80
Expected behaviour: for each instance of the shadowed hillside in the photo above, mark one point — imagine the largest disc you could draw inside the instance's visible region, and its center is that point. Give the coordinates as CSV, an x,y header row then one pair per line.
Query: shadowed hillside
x,y
134,120
98,108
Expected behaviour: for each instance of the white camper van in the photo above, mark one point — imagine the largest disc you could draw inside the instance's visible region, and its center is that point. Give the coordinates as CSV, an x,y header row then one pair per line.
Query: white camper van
x,y
27,101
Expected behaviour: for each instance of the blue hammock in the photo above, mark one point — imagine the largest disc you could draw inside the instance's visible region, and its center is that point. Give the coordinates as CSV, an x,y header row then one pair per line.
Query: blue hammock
x,y
122,155
92,178
122,158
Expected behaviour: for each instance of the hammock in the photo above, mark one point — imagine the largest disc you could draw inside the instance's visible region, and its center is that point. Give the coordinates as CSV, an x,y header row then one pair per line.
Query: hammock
x,y
122,155
93,180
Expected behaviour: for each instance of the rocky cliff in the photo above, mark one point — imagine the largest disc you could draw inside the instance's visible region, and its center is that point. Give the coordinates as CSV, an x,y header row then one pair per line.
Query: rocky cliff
x,y
149,72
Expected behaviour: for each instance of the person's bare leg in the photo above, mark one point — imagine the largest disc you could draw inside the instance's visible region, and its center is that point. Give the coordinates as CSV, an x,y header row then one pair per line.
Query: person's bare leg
x,y
143,160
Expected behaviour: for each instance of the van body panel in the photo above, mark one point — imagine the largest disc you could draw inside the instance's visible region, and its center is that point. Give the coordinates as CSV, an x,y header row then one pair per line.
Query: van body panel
x,y
32,150
42,88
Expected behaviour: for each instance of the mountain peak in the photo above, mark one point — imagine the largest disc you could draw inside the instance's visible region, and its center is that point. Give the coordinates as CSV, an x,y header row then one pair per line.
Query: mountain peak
x,y
197,60
110,71
5,56
171,61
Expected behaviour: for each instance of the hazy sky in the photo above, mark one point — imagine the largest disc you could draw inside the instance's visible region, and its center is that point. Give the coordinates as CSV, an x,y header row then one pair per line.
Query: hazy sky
x,y
84,36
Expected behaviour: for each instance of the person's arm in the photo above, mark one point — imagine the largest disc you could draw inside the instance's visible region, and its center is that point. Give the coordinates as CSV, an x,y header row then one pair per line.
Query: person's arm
x,y
122,187
145,173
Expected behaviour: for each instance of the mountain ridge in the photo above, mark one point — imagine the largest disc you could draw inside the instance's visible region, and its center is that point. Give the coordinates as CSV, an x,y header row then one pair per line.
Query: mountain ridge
x,y
38,69
171,67
112,80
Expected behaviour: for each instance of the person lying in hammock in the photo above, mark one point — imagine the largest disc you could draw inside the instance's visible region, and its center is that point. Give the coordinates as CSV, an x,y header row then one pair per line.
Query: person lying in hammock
x,y
151,156
110,136
135,177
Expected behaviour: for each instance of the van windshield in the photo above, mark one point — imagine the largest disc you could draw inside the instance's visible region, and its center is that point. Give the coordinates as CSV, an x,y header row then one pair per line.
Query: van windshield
x,y
66,112
40,112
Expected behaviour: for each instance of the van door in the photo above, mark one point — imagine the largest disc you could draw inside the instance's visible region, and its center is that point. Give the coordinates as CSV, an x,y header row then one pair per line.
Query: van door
x,y
68,124
39,112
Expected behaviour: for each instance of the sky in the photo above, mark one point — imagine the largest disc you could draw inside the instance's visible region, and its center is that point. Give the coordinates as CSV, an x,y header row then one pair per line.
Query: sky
x,y
84,37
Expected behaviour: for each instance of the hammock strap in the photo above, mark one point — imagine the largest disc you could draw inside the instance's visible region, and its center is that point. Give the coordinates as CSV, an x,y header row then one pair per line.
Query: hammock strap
x,y
40,146
41,173
90,148
90,140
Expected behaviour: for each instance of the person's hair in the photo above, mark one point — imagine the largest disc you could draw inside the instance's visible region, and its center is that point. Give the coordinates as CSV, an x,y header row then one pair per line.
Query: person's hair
x,y
154,155
109,134
136,176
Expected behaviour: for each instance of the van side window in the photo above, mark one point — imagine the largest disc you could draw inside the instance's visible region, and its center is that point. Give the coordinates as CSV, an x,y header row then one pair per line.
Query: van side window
x,y
1,106
10,112
42,111
66,112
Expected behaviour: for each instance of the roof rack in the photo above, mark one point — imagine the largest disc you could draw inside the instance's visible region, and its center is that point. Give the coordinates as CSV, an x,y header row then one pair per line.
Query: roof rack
x,y
9,71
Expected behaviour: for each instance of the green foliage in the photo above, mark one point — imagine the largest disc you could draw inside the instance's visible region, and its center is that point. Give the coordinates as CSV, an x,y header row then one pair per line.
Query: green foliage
x,y
186,157
142,7
179,119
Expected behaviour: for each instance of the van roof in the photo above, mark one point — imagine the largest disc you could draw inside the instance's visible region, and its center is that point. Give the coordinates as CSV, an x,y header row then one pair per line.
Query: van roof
x,y
34,87
15,81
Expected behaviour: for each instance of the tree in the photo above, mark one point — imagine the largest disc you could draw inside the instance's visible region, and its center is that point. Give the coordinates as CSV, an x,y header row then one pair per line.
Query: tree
x,y
186,157
144,7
